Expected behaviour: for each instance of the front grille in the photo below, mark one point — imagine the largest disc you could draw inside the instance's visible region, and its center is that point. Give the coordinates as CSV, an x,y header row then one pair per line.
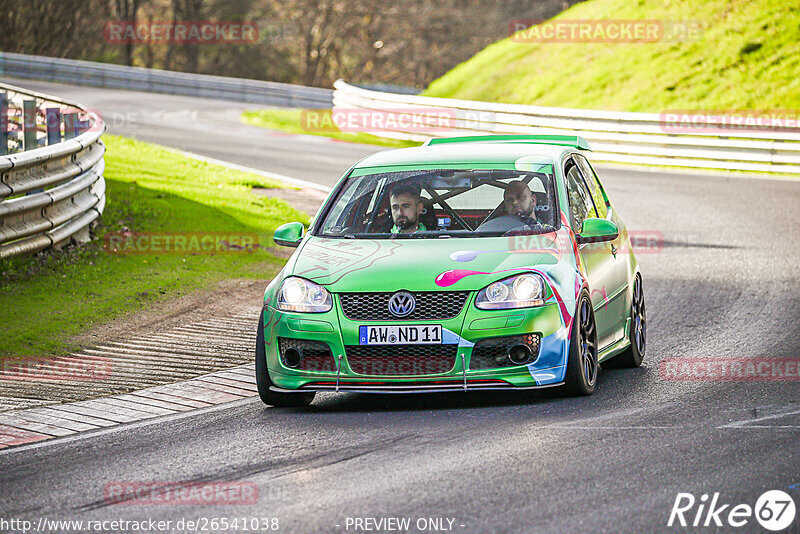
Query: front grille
x,y
492,353
430,305
315,355
401,360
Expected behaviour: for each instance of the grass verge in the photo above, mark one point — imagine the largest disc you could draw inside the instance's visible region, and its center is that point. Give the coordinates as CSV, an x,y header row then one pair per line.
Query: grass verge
x,y
48,298
296,121
746,56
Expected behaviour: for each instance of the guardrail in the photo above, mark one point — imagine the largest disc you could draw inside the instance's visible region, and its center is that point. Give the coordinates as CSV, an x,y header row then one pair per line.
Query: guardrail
x,y
51,171
621,137
162,81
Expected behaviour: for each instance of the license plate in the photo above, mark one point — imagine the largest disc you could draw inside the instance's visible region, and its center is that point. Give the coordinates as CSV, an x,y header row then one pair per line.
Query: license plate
x,y
400,335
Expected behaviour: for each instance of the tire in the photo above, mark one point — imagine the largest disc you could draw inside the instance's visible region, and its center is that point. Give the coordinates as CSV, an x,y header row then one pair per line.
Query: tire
x,y
581,376
634,354
274,398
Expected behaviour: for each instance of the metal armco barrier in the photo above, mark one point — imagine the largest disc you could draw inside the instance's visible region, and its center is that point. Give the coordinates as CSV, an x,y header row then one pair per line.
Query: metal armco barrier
x,y
621,137
163,81
49,194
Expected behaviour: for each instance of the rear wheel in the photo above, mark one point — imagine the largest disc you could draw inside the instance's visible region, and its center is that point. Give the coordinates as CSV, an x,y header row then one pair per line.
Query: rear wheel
x,y
274,398
634,354
582,361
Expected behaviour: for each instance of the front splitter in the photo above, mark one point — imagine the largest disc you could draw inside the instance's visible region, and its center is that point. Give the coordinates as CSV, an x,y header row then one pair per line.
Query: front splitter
x,y
412,388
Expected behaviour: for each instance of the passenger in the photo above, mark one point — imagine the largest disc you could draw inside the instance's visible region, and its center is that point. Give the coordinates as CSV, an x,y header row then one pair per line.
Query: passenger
x,y
519,201
407,206
519,205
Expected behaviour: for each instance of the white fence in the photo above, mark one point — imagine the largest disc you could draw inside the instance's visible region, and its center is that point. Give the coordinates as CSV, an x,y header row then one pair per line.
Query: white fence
x,y
623,137
51,185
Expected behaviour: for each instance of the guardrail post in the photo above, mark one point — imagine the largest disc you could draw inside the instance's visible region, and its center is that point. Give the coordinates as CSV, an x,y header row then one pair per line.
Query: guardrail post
x,y
29,125
70,125
3,123
53,126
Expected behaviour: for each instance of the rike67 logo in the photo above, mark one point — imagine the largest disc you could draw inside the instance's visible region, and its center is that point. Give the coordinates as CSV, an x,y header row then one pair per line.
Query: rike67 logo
x,y
774,510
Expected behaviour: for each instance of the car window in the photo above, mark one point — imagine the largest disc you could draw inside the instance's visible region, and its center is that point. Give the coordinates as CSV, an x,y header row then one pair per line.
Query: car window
x,y
580,201
594,186
478,197
455,202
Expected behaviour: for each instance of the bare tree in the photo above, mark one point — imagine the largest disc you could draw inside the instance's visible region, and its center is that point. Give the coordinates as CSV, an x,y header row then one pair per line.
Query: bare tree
x,y
127,11
69,28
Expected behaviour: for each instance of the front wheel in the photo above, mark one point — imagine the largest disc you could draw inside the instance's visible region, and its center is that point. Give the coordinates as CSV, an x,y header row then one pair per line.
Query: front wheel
x,y
634,354
582,361
274,398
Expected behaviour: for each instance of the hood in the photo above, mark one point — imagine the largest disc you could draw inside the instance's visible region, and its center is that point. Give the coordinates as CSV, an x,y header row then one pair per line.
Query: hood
x,y
421,264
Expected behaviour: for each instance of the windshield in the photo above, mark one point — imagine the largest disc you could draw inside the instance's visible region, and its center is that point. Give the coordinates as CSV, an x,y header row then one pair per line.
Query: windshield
x,y
444,202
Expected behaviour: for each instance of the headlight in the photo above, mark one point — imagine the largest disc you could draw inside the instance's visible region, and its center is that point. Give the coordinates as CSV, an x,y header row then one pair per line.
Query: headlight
x,y
523,291
300,295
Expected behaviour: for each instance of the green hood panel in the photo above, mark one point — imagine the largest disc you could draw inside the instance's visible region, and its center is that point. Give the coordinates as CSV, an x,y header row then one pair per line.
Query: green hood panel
x,y
418,264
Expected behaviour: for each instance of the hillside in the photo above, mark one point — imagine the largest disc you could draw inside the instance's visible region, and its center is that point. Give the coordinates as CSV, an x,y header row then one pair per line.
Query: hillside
x,y
747,56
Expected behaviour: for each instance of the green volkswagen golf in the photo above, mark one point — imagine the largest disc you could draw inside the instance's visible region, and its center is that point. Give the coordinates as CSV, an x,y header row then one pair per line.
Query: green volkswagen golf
x,y
469,263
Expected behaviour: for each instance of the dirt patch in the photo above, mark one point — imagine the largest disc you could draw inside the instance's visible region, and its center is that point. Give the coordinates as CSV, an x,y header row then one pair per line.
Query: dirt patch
x,y
214,302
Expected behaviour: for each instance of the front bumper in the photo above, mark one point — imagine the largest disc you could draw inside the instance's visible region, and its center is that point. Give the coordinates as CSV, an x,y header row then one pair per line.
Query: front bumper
x,y
470,326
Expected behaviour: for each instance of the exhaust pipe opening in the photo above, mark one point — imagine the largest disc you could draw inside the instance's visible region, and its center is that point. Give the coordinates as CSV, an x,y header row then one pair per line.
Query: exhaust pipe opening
x,y
520,354
292,357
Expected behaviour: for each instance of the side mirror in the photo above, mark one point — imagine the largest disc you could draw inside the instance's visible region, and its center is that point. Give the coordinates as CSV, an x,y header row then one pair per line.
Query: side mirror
x,y
594,230
289,234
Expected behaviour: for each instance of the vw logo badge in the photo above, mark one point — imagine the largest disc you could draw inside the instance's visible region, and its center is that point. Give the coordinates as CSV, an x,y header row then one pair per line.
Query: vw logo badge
x,y
402,304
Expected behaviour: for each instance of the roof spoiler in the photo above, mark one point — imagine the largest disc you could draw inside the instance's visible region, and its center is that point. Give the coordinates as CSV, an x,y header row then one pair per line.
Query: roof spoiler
x,y
564,140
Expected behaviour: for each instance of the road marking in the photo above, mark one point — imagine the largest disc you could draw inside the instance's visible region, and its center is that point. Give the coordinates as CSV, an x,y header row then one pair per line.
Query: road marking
x,y
746,422
606,427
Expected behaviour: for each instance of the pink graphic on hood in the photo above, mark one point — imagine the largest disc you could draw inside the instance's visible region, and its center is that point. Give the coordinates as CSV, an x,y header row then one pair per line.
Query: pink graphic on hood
x,y
448,278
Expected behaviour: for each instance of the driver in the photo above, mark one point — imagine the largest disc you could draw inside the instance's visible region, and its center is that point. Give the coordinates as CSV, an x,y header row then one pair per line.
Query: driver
x,y
520,202
406,205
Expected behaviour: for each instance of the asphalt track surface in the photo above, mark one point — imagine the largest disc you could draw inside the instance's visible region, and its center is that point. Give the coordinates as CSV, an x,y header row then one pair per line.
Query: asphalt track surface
x,y
724,285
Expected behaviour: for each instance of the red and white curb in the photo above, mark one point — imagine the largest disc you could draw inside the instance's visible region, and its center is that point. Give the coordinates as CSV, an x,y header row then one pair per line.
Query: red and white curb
x,y
39,424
